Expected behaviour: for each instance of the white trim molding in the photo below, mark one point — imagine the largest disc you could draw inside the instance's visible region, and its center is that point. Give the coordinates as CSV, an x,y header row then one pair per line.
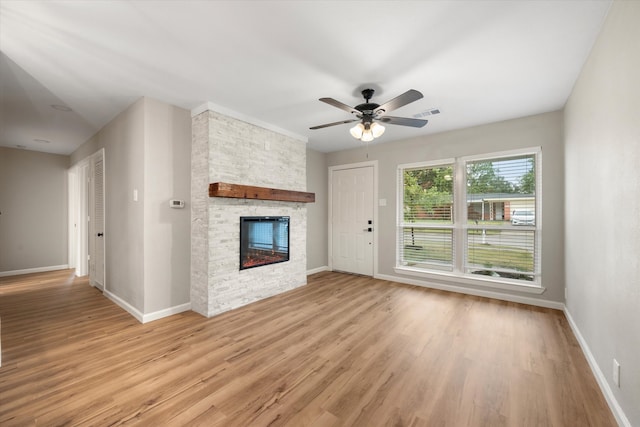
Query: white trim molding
x,y
317,270
34,270
474,281
150,317
476,292
615,407
125,305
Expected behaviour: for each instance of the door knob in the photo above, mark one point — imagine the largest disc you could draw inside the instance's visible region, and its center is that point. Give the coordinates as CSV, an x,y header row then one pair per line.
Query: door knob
x,y
100,234
368,229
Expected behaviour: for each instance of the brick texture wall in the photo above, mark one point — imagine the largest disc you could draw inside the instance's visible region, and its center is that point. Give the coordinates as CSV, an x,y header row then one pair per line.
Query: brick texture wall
x,y
229,150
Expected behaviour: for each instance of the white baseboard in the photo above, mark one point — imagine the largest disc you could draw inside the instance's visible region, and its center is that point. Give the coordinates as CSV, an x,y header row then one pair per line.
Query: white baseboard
x,y
621,418
150,317
317,270
33,270
125,305
476,292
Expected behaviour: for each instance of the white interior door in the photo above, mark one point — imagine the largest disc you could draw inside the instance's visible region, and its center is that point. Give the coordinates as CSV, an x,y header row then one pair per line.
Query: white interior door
x,y
97,257
82,218
352,214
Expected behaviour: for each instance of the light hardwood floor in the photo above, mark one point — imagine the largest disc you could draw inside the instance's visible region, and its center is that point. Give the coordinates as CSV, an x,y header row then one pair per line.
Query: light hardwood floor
x,y
343,350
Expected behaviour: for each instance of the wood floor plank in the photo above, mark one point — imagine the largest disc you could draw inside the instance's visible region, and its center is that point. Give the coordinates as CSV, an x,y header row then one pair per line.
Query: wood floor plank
x,y
344,350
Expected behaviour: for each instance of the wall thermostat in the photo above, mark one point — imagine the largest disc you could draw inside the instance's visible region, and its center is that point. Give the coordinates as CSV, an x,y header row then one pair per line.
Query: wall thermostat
x,y
176,204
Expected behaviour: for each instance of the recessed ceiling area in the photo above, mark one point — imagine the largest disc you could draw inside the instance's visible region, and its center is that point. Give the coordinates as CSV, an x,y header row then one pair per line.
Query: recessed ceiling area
x,y
475,61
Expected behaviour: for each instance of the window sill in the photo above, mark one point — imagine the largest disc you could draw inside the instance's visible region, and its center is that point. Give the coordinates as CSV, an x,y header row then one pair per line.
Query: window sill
x,y
454,278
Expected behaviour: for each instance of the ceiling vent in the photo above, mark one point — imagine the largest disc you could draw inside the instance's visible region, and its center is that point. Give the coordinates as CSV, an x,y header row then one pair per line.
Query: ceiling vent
x,y
429,112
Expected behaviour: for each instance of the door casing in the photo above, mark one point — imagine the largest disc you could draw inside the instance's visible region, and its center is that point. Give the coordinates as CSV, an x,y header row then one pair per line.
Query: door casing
x,y
82,239
97,223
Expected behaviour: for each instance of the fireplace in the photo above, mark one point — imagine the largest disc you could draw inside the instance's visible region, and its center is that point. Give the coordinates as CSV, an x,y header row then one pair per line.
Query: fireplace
x,y
263,240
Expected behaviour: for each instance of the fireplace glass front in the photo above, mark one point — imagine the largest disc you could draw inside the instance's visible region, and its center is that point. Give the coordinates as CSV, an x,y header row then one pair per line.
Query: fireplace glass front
x,y
263,240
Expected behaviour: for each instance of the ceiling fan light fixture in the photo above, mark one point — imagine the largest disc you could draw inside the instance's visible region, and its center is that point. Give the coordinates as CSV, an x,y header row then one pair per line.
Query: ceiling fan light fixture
x,y
365,131
367,135
377,130
357,131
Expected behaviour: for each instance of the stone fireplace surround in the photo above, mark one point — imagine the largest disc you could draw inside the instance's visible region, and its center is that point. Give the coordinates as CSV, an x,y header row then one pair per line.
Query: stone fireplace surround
x,y
225,149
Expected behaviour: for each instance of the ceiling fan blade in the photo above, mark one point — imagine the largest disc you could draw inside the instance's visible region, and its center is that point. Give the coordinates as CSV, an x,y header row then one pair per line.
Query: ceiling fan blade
x,y
403,121
340,105
334,124
399,101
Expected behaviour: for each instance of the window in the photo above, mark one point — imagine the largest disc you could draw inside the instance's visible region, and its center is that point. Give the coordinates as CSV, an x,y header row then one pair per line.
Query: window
x,y
476,217
426,229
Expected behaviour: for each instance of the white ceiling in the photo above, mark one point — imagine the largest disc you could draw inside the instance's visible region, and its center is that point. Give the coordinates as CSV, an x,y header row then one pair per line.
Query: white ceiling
x,y
477,61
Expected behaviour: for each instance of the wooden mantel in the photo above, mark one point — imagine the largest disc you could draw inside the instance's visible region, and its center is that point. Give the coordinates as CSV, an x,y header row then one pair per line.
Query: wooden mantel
x,y
235,191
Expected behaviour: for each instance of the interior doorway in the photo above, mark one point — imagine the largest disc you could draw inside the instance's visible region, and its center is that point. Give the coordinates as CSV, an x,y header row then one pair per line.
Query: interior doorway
x,y
87,218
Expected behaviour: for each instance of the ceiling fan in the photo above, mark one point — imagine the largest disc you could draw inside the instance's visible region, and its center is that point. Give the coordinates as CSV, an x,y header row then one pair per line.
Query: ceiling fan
x,y
370,113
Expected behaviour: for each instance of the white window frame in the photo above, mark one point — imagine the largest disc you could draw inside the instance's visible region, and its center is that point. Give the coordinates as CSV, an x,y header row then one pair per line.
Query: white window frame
x,y
400,211
460,225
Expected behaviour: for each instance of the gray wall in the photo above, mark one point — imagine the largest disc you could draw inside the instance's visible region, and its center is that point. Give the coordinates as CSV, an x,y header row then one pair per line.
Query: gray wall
x,y
544,130
33,206
147,148
317,182
167,231
602,131
123,143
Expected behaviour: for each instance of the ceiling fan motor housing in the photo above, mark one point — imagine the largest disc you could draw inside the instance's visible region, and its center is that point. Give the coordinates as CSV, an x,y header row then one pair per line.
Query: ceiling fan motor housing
x,y
367,94
367,109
